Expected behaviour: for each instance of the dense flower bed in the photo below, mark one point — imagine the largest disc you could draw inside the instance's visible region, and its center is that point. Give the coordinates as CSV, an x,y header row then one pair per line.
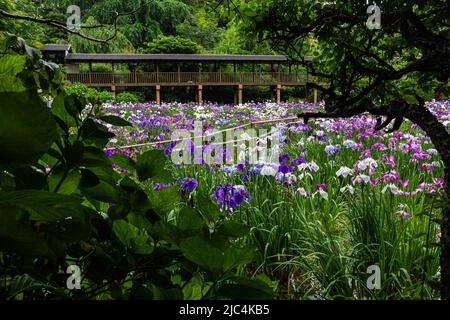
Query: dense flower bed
x,y
356,153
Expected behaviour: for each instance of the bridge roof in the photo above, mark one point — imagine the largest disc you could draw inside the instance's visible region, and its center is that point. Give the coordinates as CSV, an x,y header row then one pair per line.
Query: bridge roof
x,y
152,58
55,47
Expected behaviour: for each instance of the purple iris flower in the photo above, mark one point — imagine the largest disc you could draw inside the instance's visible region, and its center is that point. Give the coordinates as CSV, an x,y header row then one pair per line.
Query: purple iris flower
x,y
229,197
159,186
298,161
109,153
167,151
285,168
284,158
321,187
188,185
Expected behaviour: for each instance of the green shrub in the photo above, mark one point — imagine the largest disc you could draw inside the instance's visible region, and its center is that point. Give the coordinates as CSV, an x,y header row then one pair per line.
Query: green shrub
x,y
92,95
127,97
172,44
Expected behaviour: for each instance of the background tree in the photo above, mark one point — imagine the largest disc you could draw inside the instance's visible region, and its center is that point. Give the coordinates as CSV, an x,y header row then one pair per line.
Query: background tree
x,y
172,44
196,27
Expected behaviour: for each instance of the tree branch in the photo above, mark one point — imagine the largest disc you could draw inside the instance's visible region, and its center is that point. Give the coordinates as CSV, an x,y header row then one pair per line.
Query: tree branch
x,y
59,25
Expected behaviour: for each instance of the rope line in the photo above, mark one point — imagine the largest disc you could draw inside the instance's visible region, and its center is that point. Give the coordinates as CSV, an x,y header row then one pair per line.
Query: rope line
x,y
151,144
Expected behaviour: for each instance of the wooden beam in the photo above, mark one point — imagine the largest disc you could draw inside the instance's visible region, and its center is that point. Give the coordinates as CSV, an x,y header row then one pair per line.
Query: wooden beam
x,y
90,72
253,64
158,94
200,94
240,93
278,93
157,72
315,95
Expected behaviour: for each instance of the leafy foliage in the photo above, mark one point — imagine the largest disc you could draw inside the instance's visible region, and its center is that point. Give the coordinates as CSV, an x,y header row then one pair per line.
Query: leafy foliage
x,y
127,97
62,203
94,96
172,44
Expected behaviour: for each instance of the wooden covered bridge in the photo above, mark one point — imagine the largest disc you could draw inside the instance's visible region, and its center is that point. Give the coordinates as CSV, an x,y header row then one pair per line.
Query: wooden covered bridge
x,y
172,70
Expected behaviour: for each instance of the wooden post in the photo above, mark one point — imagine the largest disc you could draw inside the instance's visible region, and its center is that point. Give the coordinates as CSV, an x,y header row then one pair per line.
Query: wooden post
x,y
315,94
278,93
157,72
200,94
179,73
113,90
90,72
240,91
158,94
253,64
279,72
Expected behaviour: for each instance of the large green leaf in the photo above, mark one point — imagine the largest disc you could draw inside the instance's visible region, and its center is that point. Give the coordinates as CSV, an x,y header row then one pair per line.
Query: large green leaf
x,y
95,134
233,229
131,238
201,252
150,165
45,206
10,66
123,161
116,121
164,200
189,219
124,232
142,244
24,283
235,257
140,222
208,209
67,184
214,259
16,235
103,191
27,128
59,109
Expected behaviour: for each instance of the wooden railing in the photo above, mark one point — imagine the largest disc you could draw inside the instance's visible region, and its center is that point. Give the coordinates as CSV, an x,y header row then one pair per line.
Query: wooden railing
x,y
186,78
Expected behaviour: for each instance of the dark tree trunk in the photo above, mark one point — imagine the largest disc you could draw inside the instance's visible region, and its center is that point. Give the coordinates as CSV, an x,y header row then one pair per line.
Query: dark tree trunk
x,y
441,140
445,254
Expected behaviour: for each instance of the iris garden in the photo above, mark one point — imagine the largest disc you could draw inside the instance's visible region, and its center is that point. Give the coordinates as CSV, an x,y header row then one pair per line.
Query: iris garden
x,y
339,198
